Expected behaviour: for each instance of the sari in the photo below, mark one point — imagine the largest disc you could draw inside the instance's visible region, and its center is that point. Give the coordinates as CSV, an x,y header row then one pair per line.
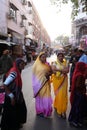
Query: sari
x,y
78,95
60,84
41,87
14,115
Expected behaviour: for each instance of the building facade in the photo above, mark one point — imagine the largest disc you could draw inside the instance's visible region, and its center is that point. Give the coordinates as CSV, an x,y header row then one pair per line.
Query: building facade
x,y
20,23
79,26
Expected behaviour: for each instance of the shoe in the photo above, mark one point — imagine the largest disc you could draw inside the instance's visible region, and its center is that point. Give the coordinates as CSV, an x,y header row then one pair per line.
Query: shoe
x,y
63,115
74,124
49,117
59,115
41,115
20,126
80,124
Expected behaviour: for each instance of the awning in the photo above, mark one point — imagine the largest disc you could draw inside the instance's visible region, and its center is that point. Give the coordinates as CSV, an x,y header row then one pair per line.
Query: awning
x,y
12,43
5,42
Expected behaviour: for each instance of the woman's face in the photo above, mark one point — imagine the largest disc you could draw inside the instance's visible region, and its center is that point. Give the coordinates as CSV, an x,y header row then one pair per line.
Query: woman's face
x,y
43,58
60,57
21,65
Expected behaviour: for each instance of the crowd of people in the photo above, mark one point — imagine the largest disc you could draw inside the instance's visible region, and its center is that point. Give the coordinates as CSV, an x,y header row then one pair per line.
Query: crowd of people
x,y
45,75
56,74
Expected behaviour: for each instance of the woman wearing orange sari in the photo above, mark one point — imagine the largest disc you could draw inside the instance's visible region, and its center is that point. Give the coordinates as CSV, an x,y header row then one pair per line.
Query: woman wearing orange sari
x,y
60,84
41,86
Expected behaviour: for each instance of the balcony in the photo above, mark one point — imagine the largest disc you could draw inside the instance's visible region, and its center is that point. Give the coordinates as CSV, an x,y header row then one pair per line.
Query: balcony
x,y
26,32
11,14
22,24
81,22
24,2
23,17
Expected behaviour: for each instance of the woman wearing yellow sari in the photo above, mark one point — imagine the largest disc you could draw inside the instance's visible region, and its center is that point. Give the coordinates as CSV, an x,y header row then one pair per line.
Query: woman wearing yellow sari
x,y
60,84
41,86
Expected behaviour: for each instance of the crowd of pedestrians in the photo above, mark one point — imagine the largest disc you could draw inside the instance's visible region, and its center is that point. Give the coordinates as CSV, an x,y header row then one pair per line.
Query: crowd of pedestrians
x,y
58,77
44,75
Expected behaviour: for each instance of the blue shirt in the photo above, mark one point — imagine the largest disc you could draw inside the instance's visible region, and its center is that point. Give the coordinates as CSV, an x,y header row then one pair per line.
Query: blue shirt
x,y
83,58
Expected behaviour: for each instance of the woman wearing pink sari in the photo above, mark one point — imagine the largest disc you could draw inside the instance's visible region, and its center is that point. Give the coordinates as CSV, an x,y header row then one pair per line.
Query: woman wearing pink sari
x,y
41,86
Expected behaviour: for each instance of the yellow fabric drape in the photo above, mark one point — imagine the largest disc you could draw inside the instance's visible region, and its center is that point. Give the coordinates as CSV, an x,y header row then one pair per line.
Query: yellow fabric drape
x,y
39,70
60,101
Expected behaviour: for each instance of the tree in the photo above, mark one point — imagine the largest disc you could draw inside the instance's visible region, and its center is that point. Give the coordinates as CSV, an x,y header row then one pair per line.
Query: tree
x,y
63,40
75,2
75,5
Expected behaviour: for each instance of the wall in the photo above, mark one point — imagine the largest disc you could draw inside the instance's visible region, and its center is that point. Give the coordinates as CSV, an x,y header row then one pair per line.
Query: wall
x,y
3,22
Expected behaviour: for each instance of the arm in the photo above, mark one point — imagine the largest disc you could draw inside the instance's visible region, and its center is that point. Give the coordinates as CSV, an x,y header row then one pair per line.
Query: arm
x,y
49,73
66,70
54,68
6,84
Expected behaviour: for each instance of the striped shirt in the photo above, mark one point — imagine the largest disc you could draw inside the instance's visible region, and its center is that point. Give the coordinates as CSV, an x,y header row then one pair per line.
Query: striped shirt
x,y
10,78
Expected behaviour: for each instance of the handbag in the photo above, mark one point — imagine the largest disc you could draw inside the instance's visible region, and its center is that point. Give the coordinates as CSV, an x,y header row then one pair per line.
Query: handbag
x,y
2,95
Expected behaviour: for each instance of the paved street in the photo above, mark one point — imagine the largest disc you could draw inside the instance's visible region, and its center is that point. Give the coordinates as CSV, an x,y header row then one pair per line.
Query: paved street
x,y
39,123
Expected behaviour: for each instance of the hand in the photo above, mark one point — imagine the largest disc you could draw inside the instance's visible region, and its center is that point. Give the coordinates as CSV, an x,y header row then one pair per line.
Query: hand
x,y
12,101
65,70
12,98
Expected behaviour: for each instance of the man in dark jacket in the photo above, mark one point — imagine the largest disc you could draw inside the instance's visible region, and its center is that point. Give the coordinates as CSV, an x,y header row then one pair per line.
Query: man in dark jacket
x,y
73,60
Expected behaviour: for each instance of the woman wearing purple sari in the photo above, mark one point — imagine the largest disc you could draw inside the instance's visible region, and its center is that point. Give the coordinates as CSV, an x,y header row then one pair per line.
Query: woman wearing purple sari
x,y
41,86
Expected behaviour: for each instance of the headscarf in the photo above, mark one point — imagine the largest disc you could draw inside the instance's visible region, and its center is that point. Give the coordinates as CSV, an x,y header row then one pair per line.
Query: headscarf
x,y
60,53
39,71
18,62
15,68
79,71
38,58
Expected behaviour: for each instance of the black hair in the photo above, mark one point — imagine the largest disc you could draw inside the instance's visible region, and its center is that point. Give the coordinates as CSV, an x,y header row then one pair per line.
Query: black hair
x,y
81,51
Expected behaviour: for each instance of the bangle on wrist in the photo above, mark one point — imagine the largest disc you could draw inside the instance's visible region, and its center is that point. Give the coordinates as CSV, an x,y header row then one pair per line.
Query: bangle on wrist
x,y
11,95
